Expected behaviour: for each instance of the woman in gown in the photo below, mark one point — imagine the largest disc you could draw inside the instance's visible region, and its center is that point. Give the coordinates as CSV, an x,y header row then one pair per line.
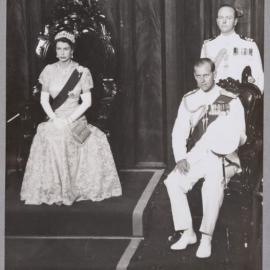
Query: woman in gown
x,y
60,169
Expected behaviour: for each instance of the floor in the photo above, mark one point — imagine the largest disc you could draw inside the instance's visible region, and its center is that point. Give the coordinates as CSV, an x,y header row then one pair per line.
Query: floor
x,y
139,247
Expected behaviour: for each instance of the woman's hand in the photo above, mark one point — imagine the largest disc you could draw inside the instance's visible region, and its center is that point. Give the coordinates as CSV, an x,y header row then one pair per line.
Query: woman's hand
x,y
182,166
60,123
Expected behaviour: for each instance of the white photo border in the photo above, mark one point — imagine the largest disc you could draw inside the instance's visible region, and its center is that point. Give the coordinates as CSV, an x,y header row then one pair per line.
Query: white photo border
x,y
266,184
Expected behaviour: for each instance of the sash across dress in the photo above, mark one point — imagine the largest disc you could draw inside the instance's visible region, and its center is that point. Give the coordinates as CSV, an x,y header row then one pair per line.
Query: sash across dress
x,y
59,169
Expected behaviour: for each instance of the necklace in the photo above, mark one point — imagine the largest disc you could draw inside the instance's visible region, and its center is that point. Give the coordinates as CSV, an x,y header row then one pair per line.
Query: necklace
x,y
64,68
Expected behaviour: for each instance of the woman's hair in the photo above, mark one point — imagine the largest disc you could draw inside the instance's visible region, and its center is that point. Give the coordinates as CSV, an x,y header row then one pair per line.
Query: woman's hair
x,y
65,40
65,36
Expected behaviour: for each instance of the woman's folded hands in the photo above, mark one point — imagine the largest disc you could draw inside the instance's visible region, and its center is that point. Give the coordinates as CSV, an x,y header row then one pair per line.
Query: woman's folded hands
x,y
60,123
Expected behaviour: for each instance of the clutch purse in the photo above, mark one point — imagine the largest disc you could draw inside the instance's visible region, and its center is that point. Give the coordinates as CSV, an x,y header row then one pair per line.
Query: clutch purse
x,y
80,131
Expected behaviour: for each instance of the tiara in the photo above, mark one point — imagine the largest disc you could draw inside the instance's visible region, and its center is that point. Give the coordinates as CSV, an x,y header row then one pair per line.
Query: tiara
x,y
65,34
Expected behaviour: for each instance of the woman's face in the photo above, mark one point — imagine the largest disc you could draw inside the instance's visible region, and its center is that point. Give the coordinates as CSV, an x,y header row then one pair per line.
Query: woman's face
x,y
63,51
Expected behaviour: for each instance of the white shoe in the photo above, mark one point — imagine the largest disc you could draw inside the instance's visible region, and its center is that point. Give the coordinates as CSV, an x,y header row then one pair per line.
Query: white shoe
x,y
185,240
204,249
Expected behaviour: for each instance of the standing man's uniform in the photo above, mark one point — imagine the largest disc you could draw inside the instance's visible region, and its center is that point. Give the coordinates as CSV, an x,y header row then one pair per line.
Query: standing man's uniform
x,y
206,121
231,54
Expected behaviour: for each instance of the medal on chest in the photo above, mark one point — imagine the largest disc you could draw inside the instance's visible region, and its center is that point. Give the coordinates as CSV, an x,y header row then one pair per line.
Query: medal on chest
x,y
242,51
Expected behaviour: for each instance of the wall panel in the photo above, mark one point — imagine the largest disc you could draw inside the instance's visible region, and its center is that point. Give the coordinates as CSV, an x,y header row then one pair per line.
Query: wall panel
x,y
125,126
149,118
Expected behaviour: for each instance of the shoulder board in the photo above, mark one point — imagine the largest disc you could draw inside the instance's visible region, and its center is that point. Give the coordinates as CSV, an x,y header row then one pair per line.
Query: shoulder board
x,y
247,38
207,40
228,94
191,92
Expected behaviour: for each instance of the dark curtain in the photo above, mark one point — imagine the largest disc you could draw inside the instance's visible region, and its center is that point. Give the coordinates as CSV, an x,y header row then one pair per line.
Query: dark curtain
x,y
25,19
157,42
187,24
17,54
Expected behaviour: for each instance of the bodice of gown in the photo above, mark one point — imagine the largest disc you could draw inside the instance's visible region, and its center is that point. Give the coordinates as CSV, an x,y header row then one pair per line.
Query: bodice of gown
x,y
53,78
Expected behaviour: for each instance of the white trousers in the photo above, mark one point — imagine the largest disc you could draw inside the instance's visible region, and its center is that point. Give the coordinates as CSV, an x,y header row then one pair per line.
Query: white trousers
x,y
209,167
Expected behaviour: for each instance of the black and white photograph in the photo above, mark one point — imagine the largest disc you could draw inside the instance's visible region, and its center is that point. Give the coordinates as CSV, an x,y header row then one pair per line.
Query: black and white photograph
x,y
134,134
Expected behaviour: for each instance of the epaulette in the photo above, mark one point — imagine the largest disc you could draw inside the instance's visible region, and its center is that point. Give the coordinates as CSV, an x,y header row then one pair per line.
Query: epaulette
x,y
190,102
228,93
191,92
246,38
210,39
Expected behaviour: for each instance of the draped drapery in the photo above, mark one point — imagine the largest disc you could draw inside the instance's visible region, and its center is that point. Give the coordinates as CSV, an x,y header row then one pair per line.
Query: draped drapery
x,y
157,42
189,23
24,21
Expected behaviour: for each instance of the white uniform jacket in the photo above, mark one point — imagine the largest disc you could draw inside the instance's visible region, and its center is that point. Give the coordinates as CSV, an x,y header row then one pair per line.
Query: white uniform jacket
x,y
232,54
193,106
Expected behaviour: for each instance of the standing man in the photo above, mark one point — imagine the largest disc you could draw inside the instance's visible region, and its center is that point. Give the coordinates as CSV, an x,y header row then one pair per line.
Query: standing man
x,y
209,128
231,53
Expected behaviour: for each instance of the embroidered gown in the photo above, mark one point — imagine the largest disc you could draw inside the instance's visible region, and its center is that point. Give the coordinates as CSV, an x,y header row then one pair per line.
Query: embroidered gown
x,y
59,169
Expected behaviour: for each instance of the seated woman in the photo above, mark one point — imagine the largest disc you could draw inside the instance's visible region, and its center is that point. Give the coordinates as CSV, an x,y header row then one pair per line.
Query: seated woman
x,y
62,169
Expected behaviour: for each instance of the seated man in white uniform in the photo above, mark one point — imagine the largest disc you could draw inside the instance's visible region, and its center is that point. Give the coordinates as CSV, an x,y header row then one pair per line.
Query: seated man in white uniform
x,y
209,128
231,53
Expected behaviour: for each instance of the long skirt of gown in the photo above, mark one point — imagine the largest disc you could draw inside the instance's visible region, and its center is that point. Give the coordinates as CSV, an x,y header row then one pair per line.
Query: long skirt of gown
x,y
60,170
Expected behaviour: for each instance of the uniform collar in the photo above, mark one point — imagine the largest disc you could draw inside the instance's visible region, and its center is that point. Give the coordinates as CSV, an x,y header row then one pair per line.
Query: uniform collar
x,y
200,98
231,36
211,96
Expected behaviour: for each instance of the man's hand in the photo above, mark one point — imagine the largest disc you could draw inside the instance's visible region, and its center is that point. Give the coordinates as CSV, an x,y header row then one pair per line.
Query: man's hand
x,y
182,166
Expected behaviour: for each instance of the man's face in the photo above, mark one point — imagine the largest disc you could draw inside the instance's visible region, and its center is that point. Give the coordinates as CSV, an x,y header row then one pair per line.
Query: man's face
x,y
204,76
226,20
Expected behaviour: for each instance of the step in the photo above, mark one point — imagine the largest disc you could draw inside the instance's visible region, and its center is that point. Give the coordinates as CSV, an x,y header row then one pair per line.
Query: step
x,y
122,216
228,251
69,253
